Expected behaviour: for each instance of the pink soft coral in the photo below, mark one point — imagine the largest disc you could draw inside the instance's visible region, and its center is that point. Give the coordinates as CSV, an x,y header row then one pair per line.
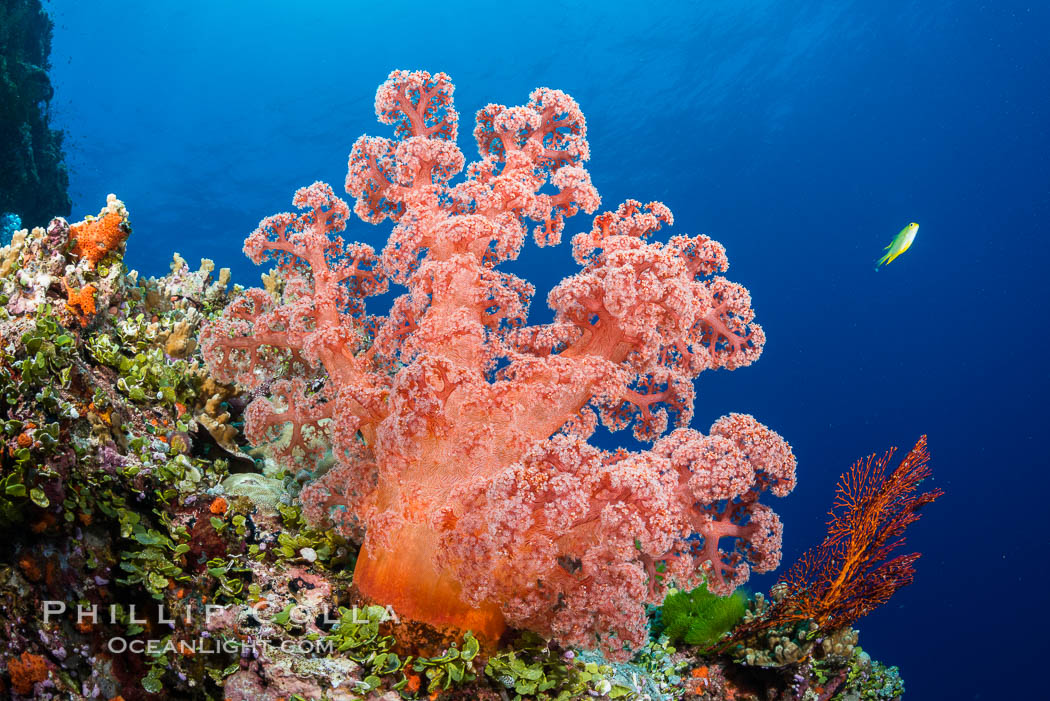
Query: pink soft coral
x,y
460,433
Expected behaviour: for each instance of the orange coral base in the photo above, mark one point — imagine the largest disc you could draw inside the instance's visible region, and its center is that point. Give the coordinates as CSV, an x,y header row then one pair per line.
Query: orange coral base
x,y
406,579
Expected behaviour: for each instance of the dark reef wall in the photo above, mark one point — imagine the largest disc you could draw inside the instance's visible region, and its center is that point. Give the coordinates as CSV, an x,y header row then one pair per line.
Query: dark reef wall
x,y
33,177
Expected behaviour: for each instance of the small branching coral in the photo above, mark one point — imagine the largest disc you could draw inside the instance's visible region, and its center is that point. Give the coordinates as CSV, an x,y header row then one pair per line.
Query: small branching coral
x,y
459,432
854,570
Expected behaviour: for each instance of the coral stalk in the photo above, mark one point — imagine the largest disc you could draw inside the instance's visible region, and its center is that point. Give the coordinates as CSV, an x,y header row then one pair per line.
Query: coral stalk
x,y
408,579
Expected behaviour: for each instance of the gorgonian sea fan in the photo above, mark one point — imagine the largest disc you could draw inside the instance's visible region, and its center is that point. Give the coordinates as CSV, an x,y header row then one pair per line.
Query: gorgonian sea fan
x,y
858,567
459,432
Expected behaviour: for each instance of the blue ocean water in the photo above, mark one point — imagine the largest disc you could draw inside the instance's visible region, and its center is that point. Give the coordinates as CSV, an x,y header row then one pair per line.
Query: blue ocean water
x,y
802,135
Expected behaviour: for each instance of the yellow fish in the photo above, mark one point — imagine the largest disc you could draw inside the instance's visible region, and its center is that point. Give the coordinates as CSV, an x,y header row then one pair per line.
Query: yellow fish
x,y
900,243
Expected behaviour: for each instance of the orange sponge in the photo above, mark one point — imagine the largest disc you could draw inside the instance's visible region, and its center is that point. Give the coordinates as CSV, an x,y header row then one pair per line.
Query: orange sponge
x,y
82,301
94,238
26,671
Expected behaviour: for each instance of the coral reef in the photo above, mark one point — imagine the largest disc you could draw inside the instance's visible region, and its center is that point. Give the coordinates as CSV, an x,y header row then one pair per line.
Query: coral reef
x,y
113,488
33,178
126,510
176,528
450,435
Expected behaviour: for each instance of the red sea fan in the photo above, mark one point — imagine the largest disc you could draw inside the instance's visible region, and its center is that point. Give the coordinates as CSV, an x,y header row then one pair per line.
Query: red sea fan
x,y
854,570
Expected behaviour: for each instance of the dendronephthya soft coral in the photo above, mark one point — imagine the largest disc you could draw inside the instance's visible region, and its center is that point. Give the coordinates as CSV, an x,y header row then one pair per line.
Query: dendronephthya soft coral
x,y
459,432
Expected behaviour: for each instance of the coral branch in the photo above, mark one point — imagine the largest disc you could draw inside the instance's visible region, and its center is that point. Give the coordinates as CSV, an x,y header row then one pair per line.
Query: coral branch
x,y
570,535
